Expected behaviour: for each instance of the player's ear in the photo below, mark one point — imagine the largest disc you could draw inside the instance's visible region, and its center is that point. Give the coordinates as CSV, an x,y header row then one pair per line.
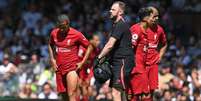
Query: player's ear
x,y
121,12
146,18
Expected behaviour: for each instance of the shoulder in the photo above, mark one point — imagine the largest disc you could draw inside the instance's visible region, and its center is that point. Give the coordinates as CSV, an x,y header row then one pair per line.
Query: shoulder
x,y
135,28
74,31
160,28
122,24
54,31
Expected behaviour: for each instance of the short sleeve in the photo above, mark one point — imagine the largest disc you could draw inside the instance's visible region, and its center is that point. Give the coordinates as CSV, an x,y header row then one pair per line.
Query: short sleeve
x,y
51,38
81,52
163,39
82,40
135,35
117,31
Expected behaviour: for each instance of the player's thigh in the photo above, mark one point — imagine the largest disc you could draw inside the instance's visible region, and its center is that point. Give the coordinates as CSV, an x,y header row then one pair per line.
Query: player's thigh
x,y
139,83
86,82
72,80
153,76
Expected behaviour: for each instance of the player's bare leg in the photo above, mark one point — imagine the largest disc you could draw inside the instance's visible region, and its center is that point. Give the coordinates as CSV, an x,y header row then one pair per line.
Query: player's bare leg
x,y
72,82
78,90
78,94
116,94
90,90
85,85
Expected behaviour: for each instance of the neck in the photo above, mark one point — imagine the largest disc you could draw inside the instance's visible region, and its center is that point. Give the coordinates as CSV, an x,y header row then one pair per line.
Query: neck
x,y
144,25
153,26
118,18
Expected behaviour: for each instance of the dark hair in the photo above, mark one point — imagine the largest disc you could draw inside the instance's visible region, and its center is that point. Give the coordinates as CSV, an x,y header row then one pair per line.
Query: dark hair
x,y
166,90
144,12
122,5
47,83
186,83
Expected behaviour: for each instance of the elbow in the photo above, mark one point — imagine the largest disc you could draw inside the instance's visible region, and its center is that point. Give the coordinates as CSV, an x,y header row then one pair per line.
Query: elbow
x,y
165,45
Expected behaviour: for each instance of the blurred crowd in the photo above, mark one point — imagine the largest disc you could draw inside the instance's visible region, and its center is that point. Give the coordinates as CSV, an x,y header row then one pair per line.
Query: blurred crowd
x,y
25,26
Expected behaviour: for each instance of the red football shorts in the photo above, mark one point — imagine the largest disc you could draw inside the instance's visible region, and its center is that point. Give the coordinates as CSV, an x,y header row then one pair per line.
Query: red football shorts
x,y
61,82
145,81
61,78
139,83
66,68
84,74
152,72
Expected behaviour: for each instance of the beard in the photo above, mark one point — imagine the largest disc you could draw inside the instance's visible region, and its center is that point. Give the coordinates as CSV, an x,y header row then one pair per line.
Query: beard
x,y
155,22
64,31
113,18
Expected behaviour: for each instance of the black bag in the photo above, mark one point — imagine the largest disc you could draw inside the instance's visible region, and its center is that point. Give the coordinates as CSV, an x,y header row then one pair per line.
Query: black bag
x,y
102,72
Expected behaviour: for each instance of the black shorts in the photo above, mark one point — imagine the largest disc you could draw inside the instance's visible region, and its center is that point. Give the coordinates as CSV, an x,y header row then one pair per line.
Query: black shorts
x,y
121,69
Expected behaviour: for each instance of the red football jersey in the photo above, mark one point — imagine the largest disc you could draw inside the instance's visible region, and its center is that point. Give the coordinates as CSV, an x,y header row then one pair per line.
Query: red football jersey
x,y
67,47
139,42
84,74
155,36
145,44
92,55
81,53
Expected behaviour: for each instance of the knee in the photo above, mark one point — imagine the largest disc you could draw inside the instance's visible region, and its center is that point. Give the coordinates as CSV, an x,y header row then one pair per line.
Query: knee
x,y
72,92
84,90
115,92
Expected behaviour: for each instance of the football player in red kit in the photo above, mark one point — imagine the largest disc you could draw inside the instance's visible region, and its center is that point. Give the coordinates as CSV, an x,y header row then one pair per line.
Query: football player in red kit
x,y
63,50
85,65
146,35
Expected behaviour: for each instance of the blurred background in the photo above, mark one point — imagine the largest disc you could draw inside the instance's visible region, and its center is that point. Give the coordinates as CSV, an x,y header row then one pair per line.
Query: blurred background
x,y
25,27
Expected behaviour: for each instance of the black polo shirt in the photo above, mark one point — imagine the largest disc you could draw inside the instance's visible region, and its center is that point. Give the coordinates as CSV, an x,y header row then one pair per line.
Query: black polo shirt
x,y
122,47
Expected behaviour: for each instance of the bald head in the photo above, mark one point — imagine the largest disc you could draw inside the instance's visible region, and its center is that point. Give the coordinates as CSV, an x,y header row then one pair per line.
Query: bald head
x,y
121,5
117,10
